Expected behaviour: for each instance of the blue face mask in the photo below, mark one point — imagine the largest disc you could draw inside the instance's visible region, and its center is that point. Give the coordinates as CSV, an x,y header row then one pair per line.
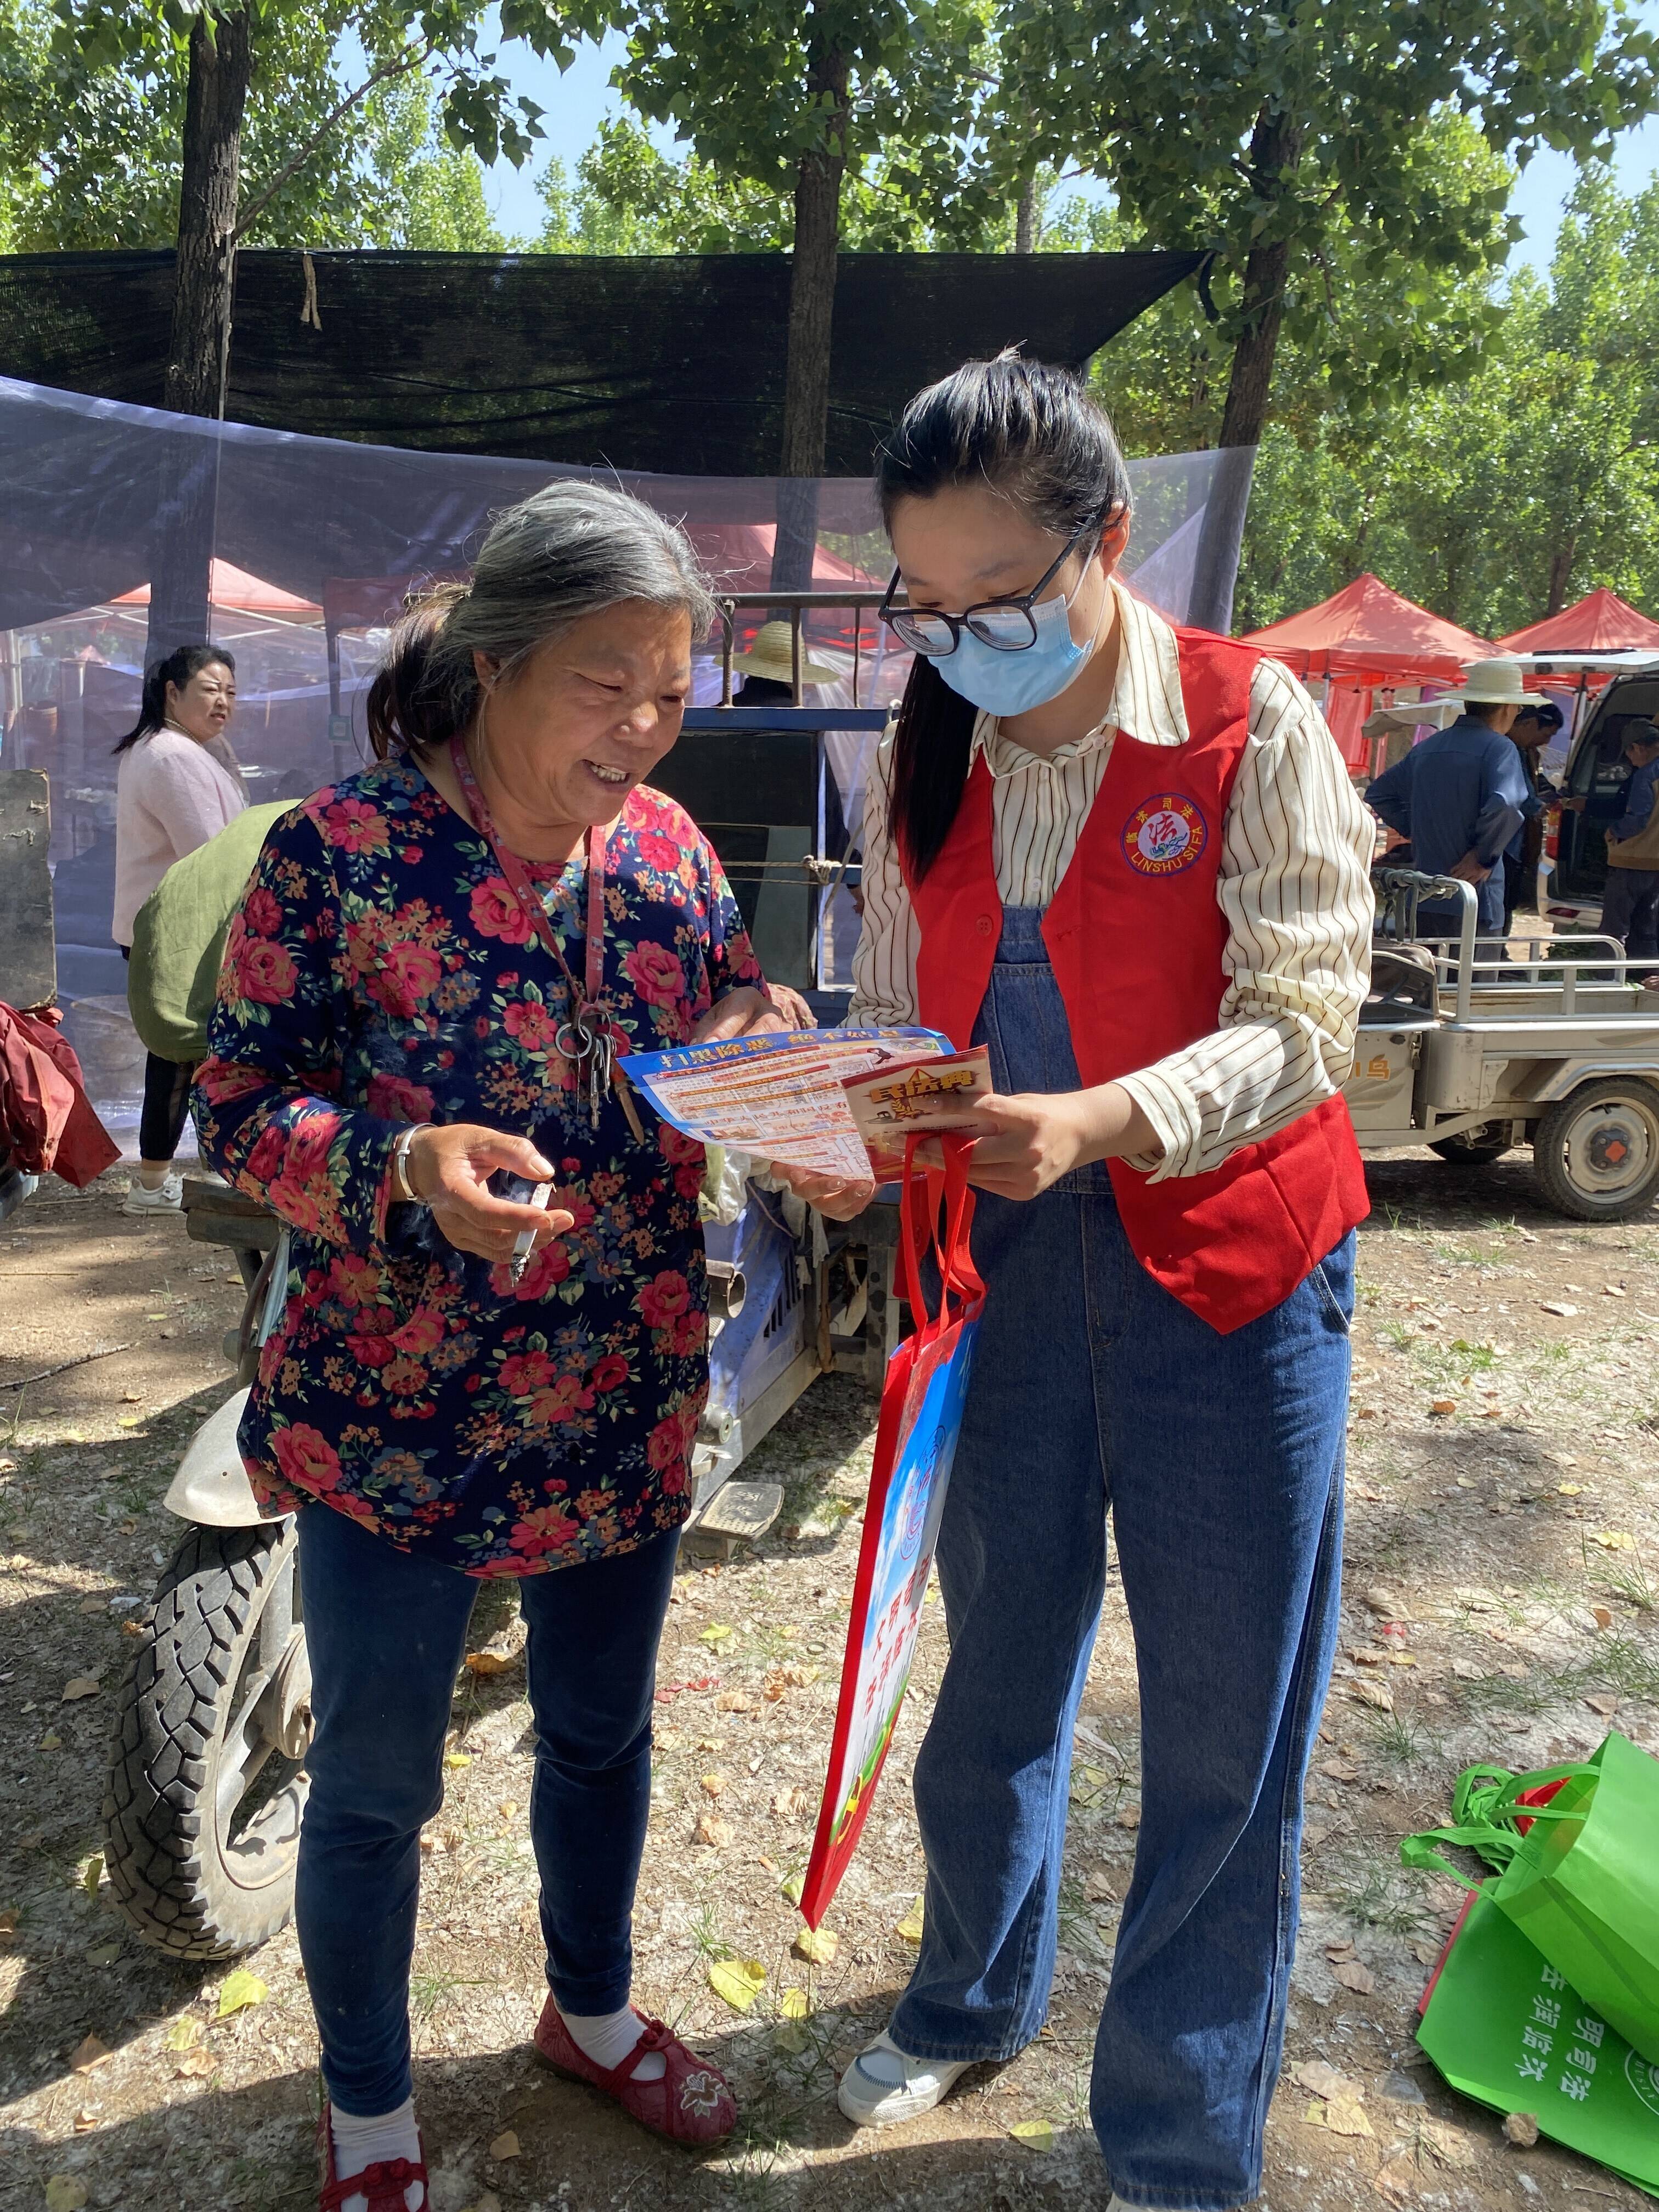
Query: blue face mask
x,y
1010,683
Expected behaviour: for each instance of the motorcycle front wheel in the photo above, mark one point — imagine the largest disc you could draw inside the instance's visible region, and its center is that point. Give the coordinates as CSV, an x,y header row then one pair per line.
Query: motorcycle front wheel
x,y
207,1779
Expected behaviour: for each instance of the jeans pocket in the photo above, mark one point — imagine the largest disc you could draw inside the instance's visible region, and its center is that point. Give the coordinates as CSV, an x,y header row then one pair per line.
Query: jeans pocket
x,y
1328,1298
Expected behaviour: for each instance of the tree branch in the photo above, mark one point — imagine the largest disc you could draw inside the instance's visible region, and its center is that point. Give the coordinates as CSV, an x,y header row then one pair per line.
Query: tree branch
x,y
383,76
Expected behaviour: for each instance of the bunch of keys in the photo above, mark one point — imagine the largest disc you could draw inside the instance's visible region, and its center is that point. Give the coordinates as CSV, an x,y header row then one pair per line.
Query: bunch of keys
x,y
591,1047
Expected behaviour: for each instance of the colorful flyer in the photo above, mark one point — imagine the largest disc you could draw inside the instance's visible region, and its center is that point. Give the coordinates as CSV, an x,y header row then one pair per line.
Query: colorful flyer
x,y
891,1103
779,1097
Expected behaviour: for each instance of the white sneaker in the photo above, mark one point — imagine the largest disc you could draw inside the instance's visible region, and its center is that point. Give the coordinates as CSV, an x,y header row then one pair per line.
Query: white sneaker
x,y
884,2086
165,1199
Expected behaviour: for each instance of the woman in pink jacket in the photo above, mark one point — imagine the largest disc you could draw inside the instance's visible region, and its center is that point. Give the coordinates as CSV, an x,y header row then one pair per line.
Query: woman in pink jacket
x,y
177,784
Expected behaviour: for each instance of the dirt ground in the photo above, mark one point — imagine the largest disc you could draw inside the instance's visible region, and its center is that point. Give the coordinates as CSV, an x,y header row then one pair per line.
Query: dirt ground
x,y
1503,1507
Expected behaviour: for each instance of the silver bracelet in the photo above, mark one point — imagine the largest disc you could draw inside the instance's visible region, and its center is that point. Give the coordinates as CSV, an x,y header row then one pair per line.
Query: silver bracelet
x,y
405,1189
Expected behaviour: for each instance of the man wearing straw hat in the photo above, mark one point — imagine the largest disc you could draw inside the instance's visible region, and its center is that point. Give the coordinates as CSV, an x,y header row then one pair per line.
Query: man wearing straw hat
x,y
1461,794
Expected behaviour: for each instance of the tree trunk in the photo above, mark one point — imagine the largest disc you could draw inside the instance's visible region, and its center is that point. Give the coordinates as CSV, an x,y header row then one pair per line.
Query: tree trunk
x,y
1275,150
811,312
1025,218
220,68
1560,573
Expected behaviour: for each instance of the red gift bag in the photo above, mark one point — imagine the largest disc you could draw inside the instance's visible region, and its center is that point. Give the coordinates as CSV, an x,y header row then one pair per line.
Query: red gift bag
x,y
922,1406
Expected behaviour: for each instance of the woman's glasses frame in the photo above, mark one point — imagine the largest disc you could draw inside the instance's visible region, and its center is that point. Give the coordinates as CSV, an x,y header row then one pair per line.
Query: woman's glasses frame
x,y
1002,635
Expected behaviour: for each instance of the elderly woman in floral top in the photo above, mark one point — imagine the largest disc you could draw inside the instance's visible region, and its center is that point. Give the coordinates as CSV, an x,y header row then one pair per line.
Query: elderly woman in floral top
x,y
427,974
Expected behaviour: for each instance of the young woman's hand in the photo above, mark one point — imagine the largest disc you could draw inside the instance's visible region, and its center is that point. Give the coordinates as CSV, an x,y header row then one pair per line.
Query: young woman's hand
x,y
1024,1143
829,1194
450,1168
740,1014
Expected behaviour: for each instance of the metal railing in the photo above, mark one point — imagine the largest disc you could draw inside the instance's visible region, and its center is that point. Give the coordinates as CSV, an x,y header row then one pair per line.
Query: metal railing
x,y
1458,968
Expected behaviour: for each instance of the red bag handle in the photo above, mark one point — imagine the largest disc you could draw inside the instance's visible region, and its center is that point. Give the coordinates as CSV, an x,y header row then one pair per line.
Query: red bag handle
x,y
958,1275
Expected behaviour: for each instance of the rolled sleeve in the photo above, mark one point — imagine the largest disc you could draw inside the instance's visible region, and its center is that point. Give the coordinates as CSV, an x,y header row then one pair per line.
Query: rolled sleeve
x,y
1294,885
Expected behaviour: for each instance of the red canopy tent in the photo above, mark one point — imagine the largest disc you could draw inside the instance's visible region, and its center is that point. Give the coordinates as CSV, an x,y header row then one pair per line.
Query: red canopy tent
x,y
1363,637
1599,623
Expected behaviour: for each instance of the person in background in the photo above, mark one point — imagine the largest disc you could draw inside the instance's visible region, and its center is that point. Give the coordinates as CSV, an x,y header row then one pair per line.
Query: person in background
x,y
1533,728
1630,898
177,784
1461,795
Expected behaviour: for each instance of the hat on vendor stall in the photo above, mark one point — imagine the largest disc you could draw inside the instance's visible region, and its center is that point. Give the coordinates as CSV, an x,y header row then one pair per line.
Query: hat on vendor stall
x,y
1493,684
769,656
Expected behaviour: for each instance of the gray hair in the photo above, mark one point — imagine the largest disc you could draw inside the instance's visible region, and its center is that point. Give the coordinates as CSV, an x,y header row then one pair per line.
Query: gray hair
x,y
570,550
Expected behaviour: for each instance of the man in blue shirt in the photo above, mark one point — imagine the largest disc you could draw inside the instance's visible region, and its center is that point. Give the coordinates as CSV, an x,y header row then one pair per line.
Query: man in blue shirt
x,y
1630,899
1461,796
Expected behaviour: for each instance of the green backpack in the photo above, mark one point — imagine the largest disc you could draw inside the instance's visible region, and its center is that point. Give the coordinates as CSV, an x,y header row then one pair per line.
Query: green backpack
x,y
179,938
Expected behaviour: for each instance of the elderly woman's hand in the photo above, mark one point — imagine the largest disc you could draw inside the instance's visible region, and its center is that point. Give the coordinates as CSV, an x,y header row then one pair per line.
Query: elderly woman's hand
x,y
740,1014
834,1195
450,1168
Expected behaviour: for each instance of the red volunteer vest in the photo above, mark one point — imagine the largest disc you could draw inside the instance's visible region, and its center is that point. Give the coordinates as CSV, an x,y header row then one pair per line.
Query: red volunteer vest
x,y
1136,936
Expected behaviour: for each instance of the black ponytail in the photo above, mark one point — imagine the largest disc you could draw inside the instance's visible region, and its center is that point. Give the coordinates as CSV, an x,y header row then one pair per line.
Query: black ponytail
x,y
181,665
1034,433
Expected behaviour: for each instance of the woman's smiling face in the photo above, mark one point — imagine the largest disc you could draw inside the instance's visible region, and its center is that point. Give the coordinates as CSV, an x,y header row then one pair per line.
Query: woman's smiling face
x,y
590,714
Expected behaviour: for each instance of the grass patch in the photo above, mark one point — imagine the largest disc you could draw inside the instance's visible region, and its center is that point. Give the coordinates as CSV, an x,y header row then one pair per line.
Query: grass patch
x,y
1378,1894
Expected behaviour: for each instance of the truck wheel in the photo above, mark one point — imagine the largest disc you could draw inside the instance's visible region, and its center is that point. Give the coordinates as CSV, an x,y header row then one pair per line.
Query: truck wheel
x,y
1474,1148
1596,1154
207,1780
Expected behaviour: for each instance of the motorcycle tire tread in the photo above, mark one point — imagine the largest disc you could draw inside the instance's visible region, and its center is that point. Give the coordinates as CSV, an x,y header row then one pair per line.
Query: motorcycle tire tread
x,y
169,1712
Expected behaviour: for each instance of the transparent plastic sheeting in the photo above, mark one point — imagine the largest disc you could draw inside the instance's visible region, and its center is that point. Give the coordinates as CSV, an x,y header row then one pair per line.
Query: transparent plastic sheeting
x,y
309,544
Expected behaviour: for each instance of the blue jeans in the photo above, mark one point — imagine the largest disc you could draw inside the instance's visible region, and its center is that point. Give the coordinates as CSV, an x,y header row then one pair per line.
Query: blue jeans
x,y
386,1636
1221,1459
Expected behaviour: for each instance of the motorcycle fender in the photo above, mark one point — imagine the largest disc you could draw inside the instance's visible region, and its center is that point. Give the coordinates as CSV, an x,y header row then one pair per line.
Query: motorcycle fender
x,y
211,1486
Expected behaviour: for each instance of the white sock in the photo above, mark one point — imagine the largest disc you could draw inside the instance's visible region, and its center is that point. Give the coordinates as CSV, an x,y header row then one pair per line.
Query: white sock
x,y
361,2144
152,1174
607,2037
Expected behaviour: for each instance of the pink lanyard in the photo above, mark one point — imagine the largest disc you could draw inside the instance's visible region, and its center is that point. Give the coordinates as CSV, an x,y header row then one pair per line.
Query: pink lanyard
x,y
585,1037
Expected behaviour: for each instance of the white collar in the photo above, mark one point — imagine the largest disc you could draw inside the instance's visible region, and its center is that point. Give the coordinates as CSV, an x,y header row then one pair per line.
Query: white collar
x,y
1146,701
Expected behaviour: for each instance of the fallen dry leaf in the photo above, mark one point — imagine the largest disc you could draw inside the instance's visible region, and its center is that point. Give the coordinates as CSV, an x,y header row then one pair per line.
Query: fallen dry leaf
x,y
66,2192
1036,2134
713,1785
1610,1539
1128,1818
739,1981
1371,1693
1440,1408
90,1872
78,1687
1520,2127
818,1946
716,1633
1603,1703
734,1701
201,2061
183,2034
1364,1655
1569,1489
1601,1615
507,1807
1100,1889
795,2004
1320,2079
793,1803
238,1991
88,2054
713,1831
506,2145
1382,1601
1354,1976
1449,2144
1340,1770
911,1927
490,1662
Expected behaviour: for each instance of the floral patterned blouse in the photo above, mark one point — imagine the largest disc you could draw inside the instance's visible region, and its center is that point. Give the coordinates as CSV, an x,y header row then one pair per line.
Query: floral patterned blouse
x,y
378,971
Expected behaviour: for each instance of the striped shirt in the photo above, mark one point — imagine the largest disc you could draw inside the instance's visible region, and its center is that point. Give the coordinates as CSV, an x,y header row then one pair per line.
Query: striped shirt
x,y
1294,885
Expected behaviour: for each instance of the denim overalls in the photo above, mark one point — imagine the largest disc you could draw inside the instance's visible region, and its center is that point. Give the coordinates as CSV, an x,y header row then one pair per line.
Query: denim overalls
x,y
1221,1458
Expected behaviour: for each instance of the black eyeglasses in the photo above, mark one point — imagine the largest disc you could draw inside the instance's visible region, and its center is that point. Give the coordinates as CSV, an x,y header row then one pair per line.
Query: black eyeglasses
x,y
1006,625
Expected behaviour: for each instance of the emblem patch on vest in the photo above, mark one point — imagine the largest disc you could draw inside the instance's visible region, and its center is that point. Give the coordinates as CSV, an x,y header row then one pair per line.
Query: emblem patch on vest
x,y
1164,835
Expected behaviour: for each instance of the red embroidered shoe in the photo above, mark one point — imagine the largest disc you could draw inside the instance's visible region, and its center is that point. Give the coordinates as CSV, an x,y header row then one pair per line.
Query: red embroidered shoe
x,y
383,2183
692,2104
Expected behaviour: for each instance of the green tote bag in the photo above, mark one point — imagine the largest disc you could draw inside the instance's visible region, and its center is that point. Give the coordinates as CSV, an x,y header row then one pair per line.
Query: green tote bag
x,y
1582,1883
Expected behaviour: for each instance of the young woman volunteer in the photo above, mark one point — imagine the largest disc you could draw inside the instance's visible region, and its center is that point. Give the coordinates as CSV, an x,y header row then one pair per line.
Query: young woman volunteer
x,y
1128,859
